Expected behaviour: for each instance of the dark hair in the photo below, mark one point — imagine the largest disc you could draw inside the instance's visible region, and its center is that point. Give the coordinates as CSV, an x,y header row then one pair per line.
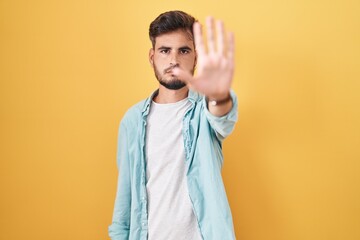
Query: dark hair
x,y
169,22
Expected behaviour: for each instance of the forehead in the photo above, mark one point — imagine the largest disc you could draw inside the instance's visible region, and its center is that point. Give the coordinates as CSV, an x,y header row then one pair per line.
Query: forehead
x,y
174,39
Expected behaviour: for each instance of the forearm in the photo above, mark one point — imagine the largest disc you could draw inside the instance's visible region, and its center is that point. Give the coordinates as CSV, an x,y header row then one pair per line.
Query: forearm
x,y
222,125
120,226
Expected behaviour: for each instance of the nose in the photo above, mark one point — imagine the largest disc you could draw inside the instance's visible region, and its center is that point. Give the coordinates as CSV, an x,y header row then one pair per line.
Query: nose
x,y
174,58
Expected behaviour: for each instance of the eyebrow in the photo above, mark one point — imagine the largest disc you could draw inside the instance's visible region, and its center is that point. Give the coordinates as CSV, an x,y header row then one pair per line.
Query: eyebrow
x,y
164,48
180,48
185,48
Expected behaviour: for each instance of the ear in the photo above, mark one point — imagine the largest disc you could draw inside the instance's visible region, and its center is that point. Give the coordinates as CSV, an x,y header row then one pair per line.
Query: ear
x,y
151,56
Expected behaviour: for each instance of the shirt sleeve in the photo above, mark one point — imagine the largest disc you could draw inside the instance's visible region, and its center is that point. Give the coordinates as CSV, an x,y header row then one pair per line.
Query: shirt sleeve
x,y
120,227
223,125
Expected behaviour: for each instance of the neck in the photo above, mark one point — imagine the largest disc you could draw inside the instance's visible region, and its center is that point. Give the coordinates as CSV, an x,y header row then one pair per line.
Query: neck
x,y
170,96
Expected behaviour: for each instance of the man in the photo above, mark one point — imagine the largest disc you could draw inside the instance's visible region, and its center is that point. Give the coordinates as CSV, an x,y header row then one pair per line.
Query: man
x,y
170,145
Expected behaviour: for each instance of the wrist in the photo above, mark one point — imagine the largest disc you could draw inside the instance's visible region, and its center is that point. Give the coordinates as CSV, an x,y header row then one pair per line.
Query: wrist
x,y
219,100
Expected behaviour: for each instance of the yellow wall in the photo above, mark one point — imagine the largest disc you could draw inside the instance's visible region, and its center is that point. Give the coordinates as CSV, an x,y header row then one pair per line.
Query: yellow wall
x,y
70,69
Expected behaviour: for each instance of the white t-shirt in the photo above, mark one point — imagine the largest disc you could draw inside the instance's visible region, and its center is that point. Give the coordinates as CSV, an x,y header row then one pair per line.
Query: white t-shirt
x,y
170,212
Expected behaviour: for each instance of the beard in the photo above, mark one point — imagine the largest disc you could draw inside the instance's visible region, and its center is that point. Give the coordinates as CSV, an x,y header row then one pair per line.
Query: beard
x,y
173,83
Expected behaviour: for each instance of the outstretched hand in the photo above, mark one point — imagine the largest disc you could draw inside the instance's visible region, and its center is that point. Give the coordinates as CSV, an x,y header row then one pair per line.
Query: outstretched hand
x,y
215,66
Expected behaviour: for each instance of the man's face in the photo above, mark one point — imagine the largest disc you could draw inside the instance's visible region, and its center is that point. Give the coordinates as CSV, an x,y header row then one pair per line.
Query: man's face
x,y
171,50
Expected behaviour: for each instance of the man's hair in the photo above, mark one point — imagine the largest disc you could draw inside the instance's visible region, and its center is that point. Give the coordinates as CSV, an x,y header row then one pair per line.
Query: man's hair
x,y
169,22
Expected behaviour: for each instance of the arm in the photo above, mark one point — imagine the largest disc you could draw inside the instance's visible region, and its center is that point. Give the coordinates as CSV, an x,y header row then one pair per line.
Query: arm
x,y
222,125
120,227
215,66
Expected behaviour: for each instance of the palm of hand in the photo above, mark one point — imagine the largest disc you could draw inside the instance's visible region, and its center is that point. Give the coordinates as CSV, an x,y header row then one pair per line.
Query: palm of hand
x,y
215,67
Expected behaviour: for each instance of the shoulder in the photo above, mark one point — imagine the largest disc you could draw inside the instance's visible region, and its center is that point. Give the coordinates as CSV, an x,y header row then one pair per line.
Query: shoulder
x,y
133,115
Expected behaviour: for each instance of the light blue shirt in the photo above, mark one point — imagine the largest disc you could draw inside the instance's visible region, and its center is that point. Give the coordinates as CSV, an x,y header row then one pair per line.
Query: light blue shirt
x,y
203,135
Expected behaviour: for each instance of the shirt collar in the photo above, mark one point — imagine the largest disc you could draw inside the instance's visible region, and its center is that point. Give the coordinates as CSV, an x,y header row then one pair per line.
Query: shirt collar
x,y
192,96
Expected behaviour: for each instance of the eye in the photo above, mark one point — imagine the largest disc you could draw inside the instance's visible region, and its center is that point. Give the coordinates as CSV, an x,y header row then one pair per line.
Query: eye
x,y
165,51
184,51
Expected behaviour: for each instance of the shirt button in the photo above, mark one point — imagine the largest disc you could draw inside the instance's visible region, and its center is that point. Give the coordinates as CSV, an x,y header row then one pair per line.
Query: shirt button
x,y
144,224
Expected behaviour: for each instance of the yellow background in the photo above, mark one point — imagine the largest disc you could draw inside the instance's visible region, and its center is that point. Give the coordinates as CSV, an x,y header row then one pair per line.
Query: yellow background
x,y
70,69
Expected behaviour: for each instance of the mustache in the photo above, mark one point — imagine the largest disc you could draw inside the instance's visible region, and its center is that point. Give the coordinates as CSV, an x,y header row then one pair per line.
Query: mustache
x,y
166,70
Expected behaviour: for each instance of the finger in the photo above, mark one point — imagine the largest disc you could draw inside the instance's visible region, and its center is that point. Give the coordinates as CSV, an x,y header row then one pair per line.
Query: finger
x,y
198,38
231,47
210,34
220,37
185,76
